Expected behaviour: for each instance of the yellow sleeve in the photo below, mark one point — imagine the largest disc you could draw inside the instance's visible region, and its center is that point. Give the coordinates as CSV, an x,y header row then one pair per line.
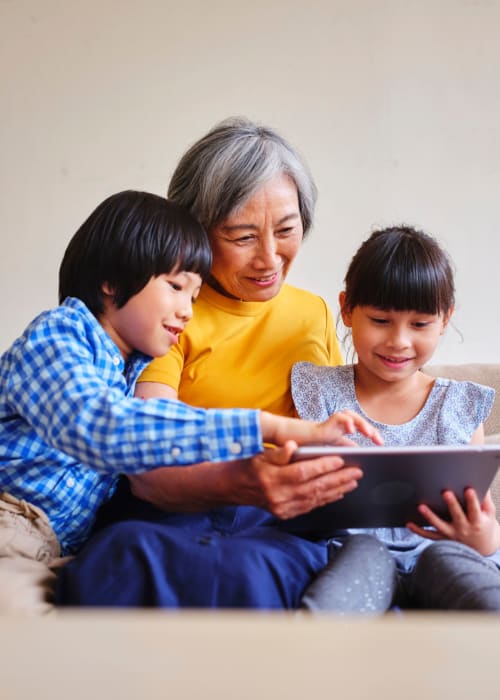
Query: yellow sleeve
x,y
166,369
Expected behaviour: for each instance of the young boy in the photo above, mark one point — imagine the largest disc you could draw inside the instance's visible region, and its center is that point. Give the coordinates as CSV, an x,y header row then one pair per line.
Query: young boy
x,y
69,424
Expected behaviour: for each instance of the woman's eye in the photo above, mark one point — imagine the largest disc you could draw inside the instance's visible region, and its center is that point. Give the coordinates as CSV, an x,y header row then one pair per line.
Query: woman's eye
x,y
240,240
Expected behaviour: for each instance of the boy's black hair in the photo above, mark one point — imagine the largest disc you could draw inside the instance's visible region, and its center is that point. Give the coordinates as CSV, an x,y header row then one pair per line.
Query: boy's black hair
x,y
129,238
400,269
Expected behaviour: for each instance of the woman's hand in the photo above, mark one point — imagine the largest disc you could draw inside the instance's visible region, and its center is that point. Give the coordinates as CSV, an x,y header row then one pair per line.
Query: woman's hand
x,y
268,481
288,489
475,526
279,430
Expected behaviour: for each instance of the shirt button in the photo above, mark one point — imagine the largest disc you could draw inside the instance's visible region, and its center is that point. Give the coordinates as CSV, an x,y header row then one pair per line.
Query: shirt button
x,y
70,482
235,448
116,361
175,451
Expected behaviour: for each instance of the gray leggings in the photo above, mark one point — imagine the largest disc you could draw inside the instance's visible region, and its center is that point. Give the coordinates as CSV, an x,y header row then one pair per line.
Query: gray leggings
x,y
451,576
362,578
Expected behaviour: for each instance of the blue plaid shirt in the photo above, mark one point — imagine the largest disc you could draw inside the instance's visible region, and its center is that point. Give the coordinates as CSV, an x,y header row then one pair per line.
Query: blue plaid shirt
x,y
69,423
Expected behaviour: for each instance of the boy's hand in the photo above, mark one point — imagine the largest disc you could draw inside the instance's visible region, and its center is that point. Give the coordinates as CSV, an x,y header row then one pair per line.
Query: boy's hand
x,y
476,527
278,429
346,422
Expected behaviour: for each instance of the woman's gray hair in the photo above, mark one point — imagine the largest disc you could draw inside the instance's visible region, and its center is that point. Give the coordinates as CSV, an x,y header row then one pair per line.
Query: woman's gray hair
x,y
227,166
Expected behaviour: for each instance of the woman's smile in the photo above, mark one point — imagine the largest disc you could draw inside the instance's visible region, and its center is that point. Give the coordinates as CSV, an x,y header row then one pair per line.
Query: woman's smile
x,y
265,280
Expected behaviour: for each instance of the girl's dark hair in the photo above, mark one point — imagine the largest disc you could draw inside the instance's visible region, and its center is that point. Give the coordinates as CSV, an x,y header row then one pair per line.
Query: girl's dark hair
x,y
129,238
400,269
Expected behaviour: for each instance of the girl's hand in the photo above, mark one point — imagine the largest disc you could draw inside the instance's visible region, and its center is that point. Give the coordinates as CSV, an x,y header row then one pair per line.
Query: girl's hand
x,y
476,527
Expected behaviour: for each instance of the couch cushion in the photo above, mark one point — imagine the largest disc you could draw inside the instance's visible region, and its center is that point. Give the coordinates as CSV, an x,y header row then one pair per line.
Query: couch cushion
x,y
482,373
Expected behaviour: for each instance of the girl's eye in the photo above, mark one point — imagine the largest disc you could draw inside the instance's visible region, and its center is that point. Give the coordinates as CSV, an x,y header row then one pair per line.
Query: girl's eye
x,y
421,324
175,286
379,321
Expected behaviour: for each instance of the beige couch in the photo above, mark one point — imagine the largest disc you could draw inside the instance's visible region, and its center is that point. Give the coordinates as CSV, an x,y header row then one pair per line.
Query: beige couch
x,y
488,374
137,654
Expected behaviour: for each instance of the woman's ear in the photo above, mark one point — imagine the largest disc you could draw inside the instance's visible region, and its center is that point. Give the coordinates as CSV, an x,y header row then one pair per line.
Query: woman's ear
x,y
344,311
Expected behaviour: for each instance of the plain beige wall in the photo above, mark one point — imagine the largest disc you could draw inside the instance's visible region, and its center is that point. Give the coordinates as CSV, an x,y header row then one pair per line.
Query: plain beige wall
x,y
394,103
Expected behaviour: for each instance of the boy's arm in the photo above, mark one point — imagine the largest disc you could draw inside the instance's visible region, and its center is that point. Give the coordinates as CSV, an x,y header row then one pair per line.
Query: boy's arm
x,y
77,403
268,480
66,383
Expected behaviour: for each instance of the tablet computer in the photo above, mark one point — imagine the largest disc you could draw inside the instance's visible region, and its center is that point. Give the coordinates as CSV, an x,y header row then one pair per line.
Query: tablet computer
x,y
395,481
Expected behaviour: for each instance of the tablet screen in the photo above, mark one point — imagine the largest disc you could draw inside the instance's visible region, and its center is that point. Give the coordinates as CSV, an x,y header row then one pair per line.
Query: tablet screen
x,y
395,481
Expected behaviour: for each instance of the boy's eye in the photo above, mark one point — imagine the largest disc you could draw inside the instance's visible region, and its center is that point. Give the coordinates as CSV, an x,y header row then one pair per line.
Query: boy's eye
x,y
421,324
378,320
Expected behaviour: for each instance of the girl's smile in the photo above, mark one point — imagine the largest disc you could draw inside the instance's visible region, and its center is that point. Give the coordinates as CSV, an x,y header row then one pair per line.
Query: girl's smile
x,y
395,362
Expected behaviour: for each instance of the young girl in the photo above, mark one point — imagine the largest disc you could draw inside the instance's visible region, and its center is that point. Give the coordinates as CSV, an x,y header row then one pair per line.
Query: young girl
x,y
397,302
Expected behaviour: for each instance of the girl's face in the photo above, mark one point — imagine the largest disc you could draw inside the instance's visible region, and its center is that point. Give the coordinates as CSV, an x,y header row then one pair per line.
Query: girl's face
x,y
393,345
254,247
152,320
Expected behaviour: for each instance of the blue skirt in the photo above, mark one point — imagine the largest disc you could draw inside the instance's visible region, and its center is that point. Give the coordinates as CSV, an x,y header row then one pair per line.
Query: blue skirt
x,y
230,557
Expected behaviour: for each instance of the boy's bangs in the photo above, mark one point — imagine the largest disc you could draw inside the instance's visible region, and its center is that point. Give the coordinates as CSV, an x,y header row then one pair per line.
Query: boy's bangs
x,y
195,256
183,245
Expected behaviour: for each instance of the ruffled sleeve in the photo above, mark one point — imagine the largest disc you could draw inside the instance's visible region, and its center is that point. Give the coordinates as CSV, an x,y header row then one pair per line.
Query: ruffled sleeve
x,y
466,406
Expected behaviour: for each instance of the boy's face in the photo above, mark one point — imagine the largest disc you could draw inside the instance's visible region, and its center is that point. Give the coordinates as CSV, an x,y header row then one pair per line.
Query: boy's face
x,y
152,319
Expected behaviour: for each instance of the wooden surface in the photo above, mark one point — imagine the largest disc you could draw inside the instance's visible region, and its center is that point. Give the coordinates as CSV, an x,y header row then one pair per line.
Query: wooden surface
x,y
157,654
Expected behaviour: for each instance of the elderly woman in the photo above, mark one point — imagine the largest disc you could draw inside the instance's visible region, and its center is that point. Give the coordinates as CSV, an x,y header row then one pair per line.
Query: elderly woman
x,y
255,197
222,542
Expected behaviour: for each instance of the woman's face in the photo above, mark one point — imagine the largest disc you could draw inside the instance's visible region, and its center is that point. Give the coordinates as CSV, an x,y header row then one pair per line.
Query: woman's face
x,y
254,247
